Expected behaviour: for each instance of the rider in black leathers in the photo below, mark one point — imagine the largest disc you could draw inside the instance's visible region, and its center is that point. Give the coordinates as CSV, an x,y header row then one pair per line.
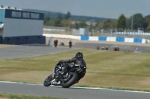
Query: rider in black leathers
x,y
78,59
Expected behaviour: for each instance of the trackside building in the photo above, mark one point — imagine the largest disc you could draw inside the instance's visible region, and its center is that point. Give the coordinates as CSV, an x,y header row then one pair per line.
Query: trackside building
x,y
21,27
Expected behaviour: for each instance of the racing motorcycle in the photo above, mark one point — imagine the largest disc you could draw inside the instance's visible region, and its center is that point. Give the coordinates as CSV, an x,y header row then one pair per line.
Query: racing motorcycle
x,y
64,79
70,45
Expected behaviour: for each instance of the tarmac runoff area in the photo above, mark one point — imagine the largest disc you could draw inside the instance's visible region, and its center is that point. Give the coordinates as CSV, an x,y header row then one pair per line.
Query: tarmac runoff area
x,y
29,51
123,46
20,51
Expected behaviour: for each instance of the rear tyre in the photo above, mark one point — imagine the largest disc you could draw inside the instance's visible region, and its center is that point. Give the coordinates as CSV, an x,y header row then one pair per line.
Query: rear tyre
x,y
70,46
47,81
73,79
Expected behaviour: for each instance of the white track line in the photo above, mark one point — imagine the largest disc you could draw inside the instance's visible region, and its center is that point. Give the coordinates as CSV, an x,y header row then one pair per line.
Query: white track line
x,y
91,88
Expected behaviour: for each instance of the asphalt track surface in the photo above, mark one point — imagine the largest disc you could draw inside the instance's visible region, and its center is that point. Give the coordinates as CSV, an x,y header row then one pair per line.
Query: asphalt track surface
x,y
71,93
29,51
123,46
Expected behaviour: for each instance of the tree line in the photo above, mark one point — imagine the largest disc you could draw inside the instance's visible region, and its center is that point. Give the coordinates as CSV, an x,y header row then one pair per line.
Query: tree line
x,y
65,21
122,23
136,21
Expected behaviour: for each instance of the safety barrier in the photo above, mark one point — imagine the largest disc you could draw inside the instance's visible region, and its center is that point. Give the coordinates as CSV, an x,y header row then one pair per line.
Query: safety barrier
x,y
119,39
100,38
130,40
93,38
85,38
137,40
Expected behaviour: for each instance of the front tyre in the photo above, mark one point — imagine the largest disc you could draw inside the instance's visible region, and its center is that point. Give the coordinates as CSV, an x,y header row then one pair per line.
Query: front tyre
x,y
72,80
47,81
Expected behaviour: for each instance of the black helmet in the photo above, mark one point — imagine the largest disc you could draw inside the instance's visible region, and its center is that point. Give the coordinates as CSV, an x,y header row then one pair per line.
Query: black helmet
x,y
79,55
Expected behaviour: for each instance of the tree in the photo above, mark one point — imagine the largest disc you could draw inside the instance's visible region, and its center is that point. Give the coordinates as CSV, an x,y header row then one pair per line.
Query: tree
x,y
46,19
106,24
138,21
147,19
91,27
53,22
121,23
59,16
148,28
64,23
113,24
68,15
76,25
57,22
99,25
50,23
82,24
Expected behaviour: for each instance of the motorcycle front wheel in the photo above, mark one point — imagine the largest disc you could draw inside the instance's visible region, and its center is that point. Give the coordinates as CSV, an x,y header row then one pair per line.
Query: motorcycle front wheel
x,y
47,81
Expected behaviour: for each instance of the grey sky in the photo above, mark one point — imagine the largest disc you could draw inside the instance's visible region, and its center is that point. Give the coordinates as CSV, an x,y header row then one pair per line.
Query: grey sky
x,y
97,8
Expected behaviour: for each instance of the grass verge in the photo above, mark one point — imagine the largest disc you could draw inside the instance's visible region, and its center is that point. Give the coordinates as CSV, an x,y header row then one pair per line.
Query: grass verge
x,y
13,96
106,69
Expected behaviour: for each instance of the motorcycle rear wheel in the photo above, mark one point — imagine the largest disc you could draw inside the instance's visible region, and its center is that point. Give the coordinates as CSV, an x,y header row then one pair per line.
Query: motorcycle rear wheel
x,y
74,78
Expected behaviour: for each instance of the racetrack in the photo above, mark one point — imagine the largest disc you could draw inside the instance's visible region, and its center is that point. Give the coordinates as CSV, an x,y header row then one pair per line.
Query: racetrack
x,y
29,51
11,52
71,93
111,45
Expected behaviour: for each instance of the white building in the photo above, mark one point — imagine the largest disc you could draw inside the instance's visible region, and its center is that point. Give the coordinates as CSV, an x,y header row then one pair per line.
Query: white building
x,y
20,27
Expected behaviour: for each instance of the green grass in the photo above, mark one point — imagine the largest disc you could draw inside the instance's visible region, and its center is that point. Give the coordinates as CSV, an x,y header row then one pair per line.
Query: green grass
x,y
106,69
13,96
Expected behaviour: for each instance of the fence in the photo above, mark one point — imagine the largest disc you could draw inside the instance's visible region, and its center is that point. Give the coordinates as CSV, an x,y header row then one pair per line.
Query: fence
x,y
114,39
100,38
24,40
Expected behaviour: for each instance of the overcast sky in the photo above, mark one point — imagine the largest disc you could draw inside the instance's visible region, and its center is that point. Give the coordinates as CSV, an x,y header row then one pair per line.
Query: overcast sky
x,y
96,8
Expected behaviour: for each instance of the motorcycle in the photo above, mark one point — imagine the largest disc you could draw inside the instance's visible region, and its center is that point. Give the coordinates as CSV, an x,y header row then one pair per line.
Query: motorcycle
x,y
70,45
64,79
116,49
61,44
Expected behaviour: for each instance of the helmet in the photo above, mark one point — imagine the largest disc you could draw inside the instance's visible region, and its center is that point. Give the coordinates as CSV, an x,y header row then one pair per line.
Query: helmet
x,y
79,55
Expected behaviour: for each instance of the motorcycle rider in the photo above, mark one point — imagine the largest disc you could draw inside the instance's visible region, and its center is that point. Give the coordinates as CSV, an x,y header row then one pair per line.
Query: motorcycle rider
x,y
62,43
70,43
55,42
78,59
